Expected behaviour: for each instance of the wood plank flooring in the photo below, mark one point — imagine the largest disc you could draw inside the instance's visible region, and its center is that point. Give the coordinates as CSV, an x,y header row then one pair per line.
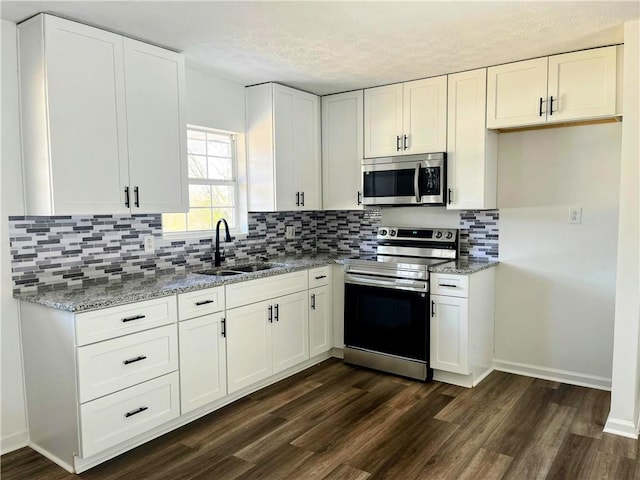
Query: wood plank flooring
x,y
338,422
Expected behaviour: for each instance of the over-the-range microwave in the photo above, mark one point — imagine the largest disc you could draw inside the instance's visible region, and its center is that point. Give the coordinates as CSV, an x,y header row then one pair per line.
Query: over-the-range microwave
x,y
405,180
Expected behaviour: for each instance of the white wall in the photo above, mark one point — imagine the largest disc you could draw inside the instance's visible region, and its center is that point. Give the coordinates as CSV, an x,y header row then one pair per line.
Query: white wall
x,y
13,425
625,397
214,102
555,286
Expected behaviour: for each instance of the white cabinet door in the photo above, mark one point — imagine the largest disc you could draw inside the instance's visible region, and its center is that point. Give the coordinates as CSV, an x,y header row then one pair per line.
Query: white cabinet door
x,y
284,117
157,126
449,334
306,150
203,361
471,149
320,321
249,353
582,84
77,162
383,121
290,331
515,92
425,116
342,140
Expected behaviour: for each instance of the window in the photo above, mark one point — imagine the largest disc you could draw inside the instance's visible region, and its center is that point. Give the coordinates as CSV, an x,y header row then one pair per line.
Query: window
x,y
213,185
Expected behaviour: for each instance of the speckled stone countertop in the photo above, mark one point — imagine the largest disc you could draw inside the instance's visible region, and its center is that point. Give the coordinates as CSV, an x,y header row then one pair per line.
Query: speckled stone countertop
x,y
463,267
81,299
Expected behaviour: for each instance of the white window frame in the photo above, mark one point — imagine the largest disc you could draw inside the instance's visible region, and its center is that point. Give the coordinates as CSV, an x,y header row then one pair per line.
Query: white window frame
x,y
239,207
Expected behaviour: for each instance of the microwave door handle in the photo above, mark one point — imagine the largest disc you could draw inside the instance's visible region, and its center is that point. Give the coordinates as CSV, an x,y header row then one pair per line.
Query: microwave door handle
x,y
416,183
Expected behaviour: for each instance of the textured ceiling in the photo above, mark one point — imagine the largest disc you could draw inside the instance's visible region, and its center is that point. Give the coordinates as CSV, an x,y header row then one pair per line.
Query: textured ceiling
x,y
328,47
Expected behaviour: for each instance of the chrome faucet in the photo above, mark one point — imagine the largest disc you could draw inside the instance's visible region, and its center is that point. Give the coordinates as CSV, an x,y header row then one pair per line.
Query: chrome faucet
x,y
219,256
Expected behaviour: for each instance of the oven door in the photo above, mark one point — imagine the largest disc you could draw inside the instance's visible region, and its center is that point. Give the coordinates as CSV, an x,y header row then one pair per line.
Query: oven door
x,y
384,319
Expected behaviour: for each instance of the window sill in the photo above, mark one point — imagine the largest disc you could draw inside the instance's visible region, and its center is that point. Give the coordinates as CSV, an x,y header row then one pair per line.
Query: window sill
x,y
180,236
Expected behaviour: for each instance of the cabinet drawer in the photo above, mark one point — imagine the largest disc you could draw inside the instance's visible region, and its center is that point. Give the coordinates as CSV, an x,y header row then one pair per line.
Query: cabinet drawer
x,y
113,419
253,291
319,276
114,322
106,367
450,284
201,302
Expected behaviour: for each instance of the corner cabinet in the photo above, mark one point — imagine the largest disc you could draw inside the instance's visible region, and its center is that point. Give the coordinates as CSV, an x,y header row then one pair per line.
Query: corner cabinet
x,y
283,149
472,150
560,88
406,118
320,311
342,140
461,327
103,121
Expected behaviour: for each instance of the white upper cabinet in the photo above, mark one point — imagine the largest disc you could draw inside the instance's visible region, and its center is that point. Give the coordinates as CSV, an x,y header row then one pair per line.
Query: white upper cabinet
x,y
283,149
472,150
572,86
342,140
87,123
156,121
406,118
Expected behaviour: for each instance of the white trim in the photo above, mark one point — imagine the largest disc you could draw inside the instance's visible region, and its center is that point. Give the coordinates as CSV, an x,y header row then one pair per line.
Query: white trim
x,y
51,457
337,352
624,428
14,442
563,376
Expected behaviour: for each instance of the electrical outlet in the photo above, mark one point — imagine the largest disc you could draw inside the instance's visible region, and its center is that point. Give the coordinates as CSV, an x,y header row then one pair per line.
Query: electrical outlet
x,y
149,243
290,232
575,215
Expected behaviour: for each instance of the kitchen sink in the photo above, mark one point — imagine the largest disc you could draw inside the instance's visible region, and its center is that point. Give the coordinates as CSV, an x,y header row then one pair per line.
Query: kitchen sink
x,y
237,270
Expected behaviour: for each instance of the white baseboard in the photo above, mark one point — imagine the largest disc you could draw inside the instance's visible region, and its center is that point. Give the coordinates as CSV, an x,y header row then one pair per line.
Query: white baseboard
x,y
51,457
14,442
563,376
337,352
624,428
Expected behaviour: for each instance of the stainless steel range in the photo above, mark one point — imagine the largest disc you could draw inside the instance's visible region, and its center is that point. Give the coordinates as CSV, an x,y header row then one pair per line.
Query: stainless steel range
x,y
386,313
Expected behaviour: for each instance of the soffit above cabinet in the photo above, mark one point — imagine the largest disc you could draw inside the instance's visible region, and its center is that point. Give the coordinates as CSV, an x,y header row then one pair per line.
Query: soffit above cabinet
x,y
328,47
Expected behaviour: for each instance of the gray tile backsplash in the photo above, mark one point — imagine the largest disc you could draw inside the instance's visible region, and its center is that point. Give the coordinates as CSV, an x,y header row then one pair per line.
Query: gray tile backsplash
x,y
56,252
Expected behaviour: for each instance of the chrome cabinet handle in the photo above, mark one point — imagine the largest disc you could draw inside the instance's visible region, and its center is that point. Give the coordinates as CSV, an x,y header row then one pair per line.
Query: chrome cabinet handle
x,y
416,182
397,143
224,327
405,142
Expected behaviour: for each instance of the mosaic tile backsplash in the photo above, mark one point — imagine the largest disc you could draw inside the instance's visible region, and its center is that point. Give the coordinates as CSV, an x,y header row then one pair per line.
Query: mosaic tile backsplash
x,y
56,252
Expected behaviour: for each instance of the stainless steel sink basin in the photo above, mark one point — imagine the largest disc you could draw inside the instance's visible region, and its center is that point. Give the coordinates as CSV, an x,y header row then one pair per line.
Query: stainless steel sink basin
x,y
237,270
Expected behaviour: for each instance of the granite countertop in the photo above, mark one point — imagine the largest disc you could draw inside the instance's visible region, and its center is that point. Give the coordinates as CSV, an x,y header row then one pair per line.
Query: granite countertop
x,y
81,299
463,267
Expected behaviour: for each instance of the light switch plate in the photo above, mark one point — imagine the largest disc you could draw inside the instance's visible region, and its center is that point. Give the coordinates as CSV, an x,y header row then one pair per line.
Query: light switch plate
x,y
149,243
290,232
575,215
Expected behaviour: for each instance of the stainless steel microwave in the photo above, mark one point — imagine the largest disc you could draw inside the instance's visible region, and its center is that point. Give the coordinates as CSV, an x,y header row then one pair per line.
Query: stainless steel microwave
x,y
405,180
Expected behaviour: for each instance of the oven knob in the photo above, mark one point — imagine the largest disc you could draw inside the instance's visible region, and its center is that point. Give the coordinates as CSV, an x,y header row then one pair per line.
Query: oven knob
x,y
383,232
438,234
392,233
449,235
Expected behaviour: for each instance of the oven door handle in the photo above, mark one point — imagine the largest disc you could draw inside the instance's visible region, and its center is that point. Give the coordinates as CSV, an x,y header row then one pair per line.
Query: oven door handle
x,y
394,284
416,183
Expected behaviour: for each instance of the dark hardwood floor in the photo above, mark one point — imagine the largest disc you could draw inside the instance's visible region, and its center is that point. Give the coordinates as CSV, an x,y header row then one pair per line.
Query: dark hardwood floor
x,y
335,421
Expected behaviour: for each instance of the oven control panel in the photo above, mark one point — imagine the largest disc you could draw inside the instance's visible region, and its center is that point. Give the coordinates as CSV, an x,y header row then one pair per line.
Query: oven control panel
x,y
418,234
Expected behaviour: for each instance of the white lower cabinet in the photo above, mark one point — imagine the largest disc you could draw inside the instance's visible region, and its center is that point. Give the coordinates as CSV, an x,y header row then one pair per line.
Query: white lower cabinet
x,y
320,331
266,338
461,326
203,361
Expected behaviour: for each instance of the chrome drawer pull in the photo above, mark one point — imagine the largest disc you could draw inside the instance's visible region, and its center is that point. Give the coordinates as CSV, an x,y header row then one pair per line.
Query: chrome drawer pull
x,y
136,317
203,302
135,412
134,360
321,277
